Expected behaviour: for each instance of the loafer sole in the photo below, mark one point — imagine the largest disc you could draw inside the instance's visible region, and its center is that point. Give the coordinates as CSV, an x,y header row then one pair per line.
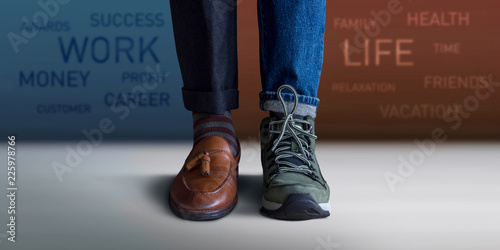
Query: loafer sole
x,y
201,215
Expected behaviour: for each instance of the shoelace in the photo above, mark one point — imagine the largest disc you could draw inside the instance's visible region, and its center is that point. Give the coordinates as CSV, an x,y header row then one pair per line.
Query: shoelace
x,y
292,128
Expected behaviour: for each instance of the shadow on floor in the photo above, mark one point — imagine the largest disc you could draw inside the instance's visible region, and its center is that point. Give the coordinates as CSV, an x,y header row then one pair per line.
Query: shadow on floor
x,y
158,190
249,193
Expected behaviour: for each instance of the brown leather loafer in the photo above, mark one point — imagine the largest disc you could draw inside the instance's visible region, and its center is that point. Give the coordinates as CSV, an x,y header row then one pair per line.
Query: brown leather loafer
x,y
205,188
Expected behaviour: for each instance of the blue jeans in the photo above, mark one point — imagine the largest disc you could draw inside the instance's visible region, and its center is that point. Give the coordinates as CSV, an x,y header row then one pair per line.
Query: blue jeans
x,y
291,52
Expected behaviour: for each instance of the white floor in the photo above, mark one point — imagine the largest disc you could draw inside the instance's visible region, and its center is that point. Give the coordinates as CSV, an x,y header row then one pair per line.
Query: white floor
x,y
116,199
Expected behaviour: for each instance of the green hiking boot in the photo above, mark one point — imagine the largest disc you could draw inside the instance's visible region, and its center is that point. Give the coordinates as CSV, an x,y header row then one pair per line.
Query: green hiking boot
x,y
294,188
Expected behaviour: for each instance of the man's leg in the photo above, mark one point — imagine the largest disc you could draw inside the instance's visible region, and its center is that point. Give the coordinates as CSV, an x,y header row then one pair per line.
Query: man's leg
x,y
291,57
205,38
291,51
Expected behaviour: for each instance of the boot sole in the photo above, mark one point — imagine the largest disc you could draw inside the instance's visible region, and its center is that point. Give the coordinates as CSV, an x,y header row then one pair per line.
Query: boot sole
x,y
297,207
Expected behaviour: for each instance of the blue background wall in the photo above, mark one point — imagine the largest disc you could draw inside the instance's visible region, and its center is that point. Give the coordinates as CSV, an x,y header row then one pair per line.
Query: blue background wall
x,y
116,42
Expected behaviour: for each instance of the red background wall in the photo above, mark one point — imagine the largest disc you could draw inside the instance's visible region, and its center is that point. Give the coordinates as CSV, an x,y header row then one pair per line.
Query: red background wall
x,y
361,99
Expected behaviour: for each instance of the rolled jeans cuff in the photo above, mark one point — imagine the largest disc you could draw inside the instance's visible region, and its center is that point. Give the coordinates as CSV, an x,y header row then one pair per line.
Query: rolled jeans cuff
x,y
216,102
307,105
